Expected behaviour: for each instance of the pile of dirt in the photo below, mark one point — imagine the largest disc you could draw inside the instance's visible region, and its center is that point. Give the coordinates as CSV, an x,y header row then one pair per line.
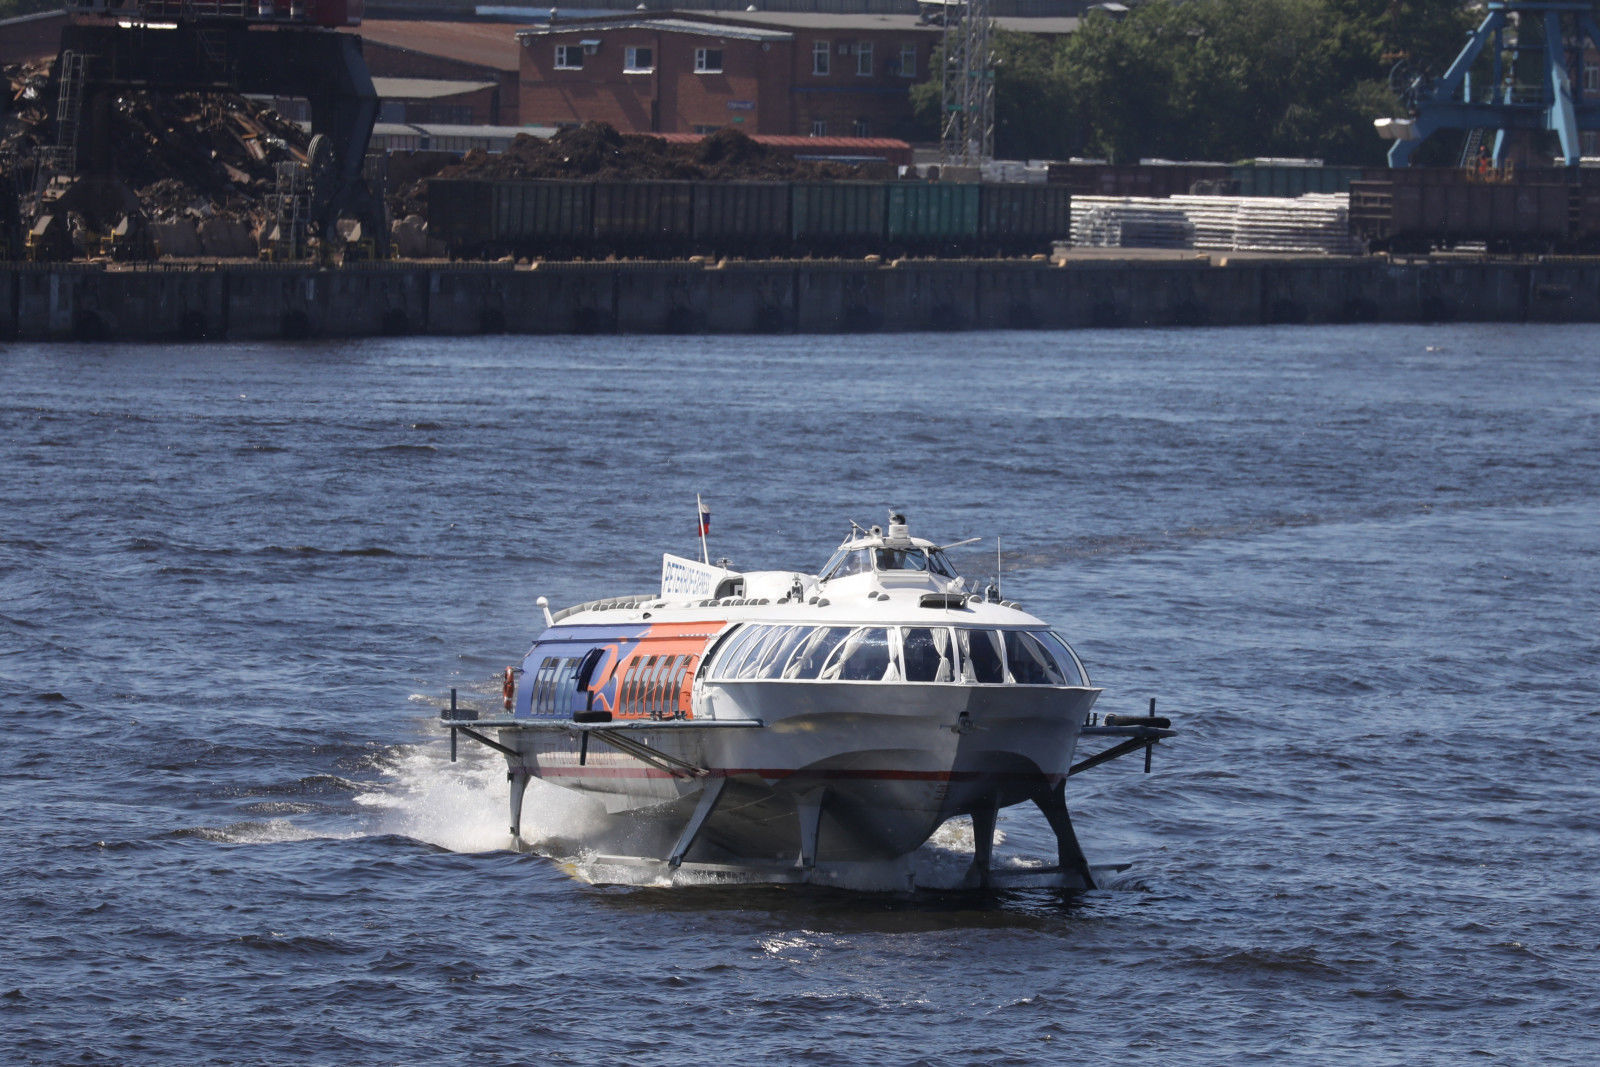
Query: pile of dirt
x,y
596,150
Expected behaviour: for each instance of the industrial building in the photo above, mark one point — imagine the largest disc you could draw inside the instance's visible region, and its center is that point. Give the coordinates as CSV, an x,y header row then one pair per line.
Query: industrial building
x,y
782,73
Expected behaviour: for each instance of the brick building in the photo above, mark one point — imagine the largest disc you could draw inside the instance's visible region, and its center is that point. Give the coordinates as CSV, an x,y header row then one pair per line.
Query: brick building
x,y
771,73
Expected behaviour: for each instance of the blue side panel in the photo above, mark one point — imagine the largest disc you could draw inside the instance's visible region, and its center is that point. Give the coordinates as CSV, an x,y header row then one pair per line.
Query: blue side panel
x,y
548,688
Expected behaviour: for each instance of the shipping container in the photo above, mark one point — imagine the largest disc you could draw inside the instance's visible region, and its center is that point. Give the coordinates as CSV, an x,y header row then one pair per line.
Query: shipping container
x,y
644,217
1023,219
837,217
741,218
932,216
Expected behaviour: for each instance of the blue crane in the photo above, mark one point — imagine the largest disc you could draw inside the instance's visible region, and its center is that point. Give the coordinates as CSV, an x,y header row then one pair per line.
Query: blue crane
x,y
1535,51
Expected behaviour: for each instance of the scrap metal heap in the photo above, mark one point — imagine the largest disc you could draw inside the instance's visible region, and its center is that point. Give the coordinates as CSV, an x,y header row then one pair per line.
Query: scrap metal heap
x,y
200,166
147,95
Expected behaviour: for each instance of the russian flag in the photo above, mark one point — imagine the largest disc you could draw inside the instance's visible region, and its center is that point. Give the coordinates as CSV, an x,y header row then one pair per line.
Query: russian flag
x,y
705,517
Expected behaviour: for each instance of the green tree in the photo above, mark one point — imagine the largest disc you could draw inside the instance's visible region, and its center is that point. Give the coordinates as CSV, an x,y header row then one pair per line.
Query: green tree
x,y
1035,114
1213,79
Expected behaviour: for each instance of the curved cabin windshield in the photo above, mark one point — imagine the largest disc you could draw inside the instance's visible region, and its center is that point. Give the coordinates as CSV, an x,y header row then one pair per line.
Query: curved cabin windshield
x,y
848,561
856,653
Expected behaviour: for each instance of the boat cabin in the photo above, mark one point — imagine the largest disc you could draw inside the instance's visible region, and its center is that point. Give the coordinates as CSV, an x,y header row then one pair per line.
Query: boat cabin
x,y
894,558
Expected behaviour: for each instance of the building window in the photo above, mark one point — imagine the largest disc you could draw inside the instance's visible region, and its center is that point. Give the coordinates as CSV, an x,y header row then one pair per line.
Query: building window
x,y
1591,77
864,58
819,127
703,128
569,57
821,51
908,61
863,128
639,61
708,61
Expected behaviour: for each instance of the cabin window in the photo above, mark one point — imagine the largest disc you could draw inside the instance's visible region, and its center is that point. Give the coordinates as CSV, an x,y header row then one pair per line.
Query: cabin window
x,y
810,656
1028,661
650,685
554,683
760,651
628,682
926,654
1066,659
776,656
981,657
846,562
661,687
914,559
861,657
727,663
757,652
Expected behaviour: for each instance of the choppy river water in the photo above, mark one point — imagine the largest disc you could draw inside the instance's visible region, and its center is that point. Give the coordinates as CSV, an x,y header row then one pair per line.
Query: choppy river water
x,y
1358,566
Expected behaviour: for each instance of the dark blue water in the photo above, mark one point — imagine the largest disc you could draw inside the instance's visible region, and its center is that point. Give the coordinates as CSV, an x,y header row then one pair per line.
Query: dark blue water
x,y
1359,566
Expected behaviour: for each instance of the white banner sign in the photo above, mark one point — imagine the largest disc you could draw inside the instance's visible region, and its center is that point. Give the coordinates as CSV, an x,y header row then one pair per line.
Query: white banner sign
x,y
688,577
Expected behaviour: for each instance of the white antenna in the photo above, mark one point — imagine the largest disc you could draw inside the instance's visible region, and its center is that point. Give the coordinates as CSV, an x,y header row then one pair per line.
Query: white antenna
x,y
702,522
997,566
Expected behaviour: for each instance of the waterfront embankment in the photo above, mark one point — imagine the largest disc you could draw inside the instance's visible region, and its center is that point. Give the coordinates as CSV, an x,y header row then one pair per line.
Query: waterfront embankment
x,y
247,301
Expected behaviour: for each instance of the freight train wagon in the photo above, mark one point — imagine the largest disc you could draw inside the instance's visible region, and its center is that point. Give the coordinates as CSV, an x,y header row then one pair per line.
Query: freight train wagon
x,y
1418,211
554,219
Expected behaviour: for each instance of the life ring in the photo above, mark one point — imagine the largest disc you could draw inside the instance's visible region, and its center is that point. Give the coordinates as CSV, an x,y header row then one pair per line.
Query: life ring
x,y
509,689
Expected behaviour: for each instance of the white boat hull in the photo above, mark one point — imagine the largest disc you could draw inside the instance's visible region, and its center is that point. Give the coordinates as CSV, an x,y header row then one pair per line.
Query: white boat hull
x,y
871,771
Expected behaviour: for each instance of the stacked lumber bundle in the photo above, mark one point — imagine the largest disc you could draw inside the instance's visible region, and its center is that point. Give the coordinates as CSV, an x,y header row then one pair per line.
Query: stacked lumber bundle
x,y
1130,222
1317,223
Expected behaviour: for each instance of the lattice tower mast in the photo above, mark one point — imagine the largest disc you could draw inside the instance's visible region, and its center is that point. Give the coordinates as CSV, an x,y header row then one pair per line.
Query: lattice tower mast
x,y
967,138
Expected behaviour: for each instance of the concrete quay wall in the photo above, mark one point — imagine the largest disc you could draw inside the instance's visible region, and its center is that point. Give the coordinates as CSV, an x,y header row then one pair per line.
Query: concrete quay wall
x,y
254,302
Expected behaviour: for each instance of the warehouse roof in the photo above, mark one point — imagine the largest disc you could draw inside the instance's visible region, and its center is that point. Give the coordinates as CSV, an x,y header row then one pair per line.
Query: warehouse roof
x,y
825,21
667,22
484,44
424,88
